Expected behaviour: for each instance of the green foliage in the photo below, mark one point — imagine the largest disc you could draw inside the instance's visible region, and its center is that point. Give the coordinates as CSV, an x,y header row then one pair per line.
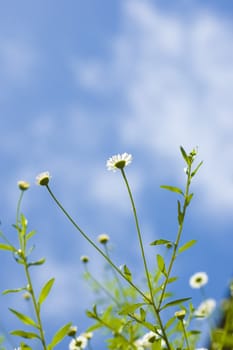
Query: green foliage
x,y
22,256
45,291
134,314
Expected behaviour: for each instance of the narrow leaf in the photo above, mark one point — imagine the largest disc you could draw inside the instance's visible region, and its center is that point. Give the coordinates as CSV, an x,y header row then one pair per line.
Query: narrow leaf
x,y
174,302
24,318
189,198
27,335
36,263
180,214
129,308
161,242
94,327
45,290
170,322
161,264
172,279
185,156
7,247
7,291
142,314
127,273
187,245
59,336
148,325
197,168
172,189
30,235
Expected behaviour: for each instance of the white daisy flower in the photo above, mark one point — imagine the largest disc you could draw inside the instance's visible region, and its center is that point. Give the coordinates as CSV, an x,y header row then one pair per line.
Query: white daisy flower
x,y
78,343
119,161
198,280
206,308
146,341
43,178
149,338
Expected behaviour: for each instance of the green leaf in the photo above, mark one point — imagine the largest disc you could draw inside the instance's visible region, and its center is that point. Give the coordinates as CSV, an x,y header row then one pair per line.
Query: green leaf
x,y
174,302
194,332
180,213
142,314
189,198
94,327
187,245
59,336
197,168
27,335
172,189
24,318
92,314
161,242
185,156
148,325
170,322
7,247
172,279
127,273
36,263
130,308
30,235
7,291
161,264
45,290
24,346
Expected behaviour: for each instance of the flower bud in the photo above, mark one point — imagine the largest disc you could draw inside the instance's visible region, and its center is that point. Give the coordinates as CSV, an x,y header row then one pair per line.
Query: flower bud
x,y
23,185
43,178
72,331
180,314
103,238
84,259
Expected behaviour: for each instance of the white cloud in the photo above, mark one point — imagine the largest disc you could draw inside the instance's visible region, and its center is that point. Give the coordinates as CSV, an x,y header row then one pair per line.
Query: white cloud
x,y
176,76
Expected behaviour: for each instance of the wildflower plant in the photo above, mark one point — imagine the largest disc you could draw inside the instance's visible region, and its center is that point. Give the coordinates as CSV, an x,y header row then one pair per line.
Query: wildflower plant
x,y
22,256
134,317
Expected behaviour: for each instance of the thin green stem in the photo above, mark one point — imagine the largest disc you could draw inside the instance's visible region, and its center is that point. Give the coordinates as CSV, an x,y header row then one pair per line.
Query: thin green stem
x,y
144,259
180,229
139,233
94,245
115,274
185,335
18,207
37,311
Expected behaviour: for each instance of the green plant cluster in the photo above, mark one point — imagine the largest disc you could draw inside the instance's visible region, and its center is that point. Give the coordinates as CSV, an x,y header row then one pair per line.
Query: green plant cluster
x,y
132,317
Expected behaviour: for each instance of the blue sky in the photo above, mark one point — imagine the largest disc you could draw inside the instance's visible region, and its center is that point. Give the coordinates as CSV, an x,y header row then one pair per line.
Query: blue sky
x,y
81,81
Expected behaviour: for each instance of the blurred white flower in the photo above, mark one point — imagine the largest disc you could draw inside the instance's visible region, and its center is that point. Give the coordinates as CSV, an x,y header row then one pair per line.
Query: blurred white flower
x,y
198,280
146,341
206,308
